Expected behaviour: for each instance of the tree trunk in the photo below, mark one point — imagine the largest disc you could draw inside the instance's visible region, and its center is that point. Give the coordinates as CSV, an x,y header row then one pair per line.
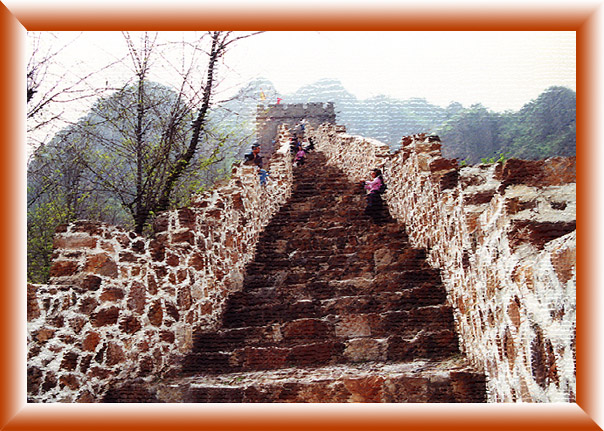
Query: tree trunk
x,y
182,163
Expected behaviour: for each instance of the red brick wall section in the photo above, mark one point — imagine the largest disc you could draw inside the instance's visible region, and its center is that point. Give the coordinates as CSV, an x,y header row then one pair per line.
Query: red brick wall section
x,y
504,238
120,306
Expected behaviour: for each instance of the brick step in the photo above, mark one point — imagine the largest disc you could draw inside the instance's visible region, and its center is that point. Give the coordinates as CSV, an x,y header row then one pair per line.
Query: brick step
x,y
347,224
449,381
393,256
341,327
355,317
322,231
341,296
354,204
423,345
282,226
331,307
326,190
309,260
269,313
350,285
344,280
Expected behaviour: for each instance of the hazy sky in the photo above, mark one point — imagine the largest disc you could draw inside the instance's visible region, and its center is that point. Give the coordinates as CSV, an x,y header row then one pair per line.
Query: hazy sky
x,y
501,70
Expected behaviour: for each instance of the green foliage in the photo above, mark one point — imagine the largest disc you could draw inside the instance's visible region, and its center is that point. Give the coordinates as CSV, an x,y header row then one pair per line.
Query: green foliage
x,y
495,159
471,133
98,169
543,128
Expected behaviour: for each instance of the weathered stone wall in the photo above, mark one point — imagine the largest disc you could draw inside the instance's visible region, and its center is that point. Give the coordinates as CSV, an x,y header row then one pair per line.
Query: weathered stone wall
x,y
269,118
120,306
504,238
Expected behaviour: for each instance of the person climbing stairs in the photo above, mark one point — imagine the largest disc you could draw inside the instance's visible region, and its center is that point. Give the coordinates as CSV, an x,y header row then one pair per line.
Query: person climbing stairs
x,y
334,308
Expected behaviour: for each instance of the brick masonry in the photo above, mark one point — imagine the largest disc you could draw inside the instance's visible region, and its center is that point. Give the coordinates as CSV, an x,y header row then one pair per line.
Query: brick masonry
x,y
503,236
120,306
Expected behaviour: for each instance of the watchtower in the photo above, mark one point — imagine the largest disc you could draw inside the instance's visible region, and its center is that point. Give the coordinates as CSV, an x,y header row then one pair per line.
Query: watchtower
x,y
269,118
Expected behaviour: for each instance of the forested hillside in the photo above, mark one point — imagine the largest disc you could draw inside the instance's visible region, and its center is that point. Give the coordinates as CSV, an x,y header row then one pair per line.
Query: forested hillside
x,y
543,128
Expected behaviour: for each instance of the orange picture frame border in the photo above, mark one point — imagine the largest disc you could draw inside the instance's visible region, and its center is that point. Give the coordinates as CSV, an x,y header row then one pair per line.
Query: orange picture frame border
x,y
16,414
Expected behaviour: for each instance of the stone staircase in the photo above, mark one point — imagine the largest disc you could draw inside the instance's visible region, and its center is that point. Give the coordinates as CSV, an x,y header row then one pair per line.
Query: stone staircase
x,y
334,308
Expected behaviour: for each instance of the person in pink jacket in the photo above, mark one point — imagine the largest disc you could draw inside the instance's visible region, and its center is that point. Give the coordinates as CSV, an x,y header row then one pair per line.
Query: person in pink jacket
x,y
375,205
299,160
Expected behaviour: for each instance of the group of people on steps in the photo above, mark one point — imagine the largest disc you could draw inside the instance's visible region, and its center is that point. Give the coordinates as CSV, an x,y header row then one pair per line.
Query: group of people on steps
x,y
299,151
374,187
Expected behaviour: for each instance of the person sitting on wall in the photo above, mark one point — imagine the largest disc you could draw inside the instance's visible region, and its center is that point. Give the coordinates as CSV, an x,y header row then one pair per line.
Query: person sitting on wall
x,y
264,175
254,158
300,155
311,145
294,145
375,205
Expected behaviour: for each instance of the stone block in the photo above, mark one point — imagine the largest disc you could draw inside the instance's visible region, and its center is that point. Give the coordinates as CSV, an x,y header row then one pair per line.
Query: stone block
x,y
63,268
70,381
539,173
33,307
156,313
101,264
74,242
70,361
89,227
441,164
112,294
185,236
197,261
479,198
564,261
115,354
537,233
353,326
105,317
161,223
85,363
186,218
77,323
172,260
365,349
130,324
366,389
137,298
315,354
543,360
406,389
306,329
127,256
34,379
44,334
157,248
91,282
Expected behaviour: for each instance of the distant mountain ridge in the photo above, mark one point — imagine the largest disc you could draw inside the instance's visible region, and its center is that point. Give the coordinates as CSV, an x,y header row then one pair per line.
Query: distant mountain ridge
x,y
388,119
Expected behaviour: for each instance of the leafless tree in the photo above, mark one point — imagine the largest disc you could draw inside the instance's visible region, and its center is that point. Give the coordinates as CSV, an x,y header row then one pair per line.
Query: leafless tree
x,y
142,148
53,87
163,138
